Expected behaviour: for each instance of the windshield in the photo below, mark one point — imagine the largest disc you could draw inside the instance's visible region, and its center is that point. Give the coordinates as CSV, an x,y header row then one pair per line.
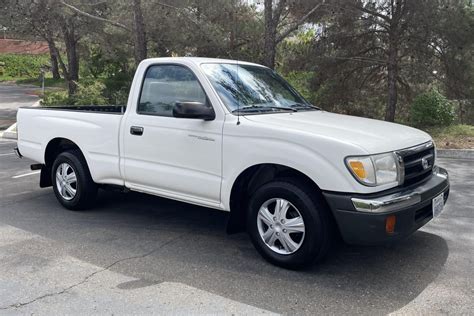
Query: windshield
x,y
256,89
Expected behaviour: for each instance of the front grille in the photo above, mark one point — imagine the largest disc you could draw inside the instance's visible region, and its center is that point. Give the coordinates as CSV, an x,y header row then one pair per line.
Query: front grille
x,y
418,163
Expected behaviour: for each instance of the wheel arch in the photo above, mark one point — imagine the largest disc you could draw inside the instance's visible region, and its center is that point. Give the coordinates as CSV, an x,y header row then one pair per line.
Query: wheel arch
x,y
249,180
53,149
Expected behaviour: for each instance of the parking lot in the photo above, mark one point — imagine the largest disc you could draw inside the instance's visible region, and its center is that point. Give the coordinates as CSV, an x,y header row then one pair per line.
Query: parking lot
x,y
11,98
140,254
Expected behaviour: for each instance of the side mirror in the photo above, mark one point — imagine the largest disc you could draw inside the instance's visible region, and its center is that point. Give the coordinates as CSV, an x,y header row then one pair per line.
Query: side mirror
x,y
193,110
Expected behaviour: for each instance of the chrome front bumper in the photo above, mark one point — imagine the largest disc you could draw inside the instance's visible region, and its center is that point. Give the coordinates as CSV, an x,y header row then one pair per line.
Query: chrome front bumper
x,y
395,201
361,218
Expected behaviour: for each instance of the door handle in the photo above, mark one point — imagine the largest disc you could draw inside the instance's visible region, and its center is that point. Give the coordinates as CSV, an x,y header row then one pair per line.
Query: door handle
x,y
136,130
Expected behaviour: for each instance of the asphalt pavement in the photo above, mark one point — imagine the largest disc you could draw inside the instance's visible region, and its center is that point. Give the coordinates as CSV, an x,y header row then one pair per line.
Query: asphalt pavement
x,y
11,98
138,254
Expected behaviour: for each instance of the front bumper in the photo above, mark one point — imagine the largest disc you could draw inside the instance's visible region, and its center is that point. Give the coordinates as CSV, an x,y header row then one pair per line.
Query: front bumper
x,y
361,218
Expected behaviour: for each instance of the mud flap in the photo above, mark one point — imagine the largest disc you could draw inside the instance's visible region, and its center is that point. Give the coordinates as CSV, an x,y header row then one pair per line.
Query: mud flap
x,y
45,177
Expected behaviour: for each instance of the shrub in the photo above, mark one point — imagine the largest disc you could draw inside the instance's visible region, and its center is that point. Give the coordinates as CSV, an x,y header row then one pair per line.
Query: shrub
x,y
90,94
117,88
301,80
432,109
56,98
23,66
120,97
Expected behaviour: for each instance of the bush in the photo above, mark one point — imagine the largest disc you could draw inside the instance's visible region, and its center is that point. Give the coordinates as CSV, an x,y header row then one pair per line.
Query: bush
x,y
432,109
57,98
301,80
90,93
117,88
23,66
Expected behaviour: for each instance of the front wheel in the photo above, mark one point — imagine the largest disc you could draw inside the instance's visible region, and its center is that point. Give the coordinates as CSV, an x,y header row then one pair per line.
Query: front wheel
x,y
289,224
72,182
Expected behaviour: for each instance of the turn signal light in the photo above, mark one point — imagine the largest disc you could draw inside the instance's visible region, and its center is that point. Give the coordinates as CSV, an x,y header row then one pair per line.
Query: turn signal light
x,y
358,169
390,222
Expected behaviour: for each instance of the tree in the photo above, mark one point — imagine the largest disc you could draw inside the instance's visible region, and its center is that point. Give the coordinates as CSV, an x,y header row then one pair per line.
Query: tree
x,y
139,32
277,26
29,19
391,21
373,48
55,23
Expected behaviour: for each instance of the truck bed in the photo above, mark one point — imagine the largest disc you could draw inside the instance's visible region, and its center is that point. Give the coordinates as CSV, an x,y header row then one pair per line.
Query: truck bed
x,y
94,129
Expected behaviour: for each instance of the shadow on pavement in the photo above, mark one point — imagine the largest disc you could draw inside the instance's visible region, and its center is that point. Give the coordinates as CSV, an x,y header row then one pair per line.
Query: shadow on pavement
x,y
177,242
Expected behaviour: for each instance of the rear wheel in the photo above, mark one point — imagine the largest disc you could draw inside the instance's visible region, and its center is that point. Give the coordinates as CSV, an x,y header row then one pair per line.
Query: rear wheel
x,y
72,182
289,224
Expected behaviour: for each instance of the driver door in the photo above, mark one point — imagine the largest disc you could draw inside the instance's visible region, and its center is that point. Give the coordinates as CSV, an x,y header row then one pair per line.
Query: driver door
x,y
173,157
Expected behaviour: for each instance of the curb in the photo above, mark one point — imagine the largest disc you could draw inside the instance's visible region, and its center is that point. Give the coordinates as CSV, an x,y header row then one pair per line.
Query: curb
x,y
456,153
10,133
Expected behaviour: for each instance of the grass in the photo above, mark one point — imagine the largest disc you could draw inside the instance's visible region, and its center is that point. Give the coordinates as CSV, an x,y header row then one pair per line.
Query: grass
x,y
48,82
5,78
453,137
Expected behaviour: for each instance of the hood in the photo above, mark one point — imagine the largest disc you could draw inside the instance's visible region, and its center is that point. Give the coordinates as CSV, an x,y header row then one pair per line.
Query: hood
x,y
374,136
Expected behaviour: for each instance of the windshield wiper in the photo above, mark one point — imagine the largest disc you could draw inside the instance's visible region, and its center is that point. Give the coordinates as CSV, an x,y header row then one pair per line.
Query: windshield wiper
x,y
304,106
257,108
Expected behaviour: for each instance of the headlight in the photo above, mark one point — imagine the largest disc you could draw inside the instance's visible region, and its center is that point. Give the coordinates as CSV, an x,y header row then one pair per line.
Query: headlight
x,y
375,170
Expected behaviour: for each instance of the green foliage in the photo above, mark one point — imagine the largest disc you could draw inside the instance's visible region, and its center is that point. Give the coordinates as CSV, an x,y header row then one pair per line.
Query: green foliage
x,y
22,66
119,97
453,136
431,109
48,82
300,80
88,93
117,88
458,130
55,98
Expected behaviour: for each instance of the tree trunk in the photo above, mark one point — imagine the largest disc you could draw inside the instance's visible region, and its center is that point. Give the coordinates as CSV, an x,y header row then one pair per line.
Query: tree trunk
x,y
54,60
392,73
140,34
72,58
269,54
269,47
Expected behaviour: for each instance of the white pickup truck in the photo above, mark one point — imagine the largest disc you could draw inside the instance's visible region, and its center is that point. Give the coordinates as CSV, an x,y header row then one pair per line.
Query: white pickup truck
x,y
235,136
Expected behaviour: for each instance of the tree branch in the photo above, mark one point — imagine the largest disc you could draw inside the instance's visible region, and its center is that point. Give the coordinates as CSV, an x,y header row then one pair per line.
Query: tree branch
x,y
373,13
298,23
279,10
186,13
97,18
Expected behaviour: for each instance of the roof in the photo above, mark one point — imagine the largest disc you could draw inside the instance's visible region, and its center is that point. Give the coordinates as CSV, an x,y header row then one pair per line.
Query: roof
x,y
202,60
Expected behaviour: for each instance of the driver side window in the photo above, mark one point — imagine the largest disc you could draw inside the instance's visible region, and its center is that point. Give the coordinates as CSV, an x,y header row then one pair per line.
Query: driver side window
x,y
164,85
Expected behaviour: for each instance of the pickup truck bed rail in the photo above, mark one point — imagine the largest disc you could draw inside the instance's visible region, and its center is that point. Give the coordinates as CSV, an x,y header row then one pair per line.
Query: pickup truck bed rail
x,y
106,109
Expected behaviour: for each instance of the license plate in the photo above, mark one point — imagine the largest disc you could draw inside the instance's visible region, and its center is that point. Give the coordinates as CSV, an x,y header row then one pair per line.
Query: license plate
x,y
438,205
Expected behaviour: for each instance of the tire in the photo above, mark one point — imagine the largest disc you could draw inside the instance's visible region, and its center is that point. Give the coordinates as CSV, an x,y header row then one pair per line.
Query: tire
x,y
78,195
303,204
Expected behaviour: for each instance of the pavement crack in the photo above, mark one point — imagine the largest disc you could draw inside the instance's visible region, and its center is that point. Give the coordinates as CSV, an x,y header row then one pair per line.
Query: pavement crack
x,y
88,277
